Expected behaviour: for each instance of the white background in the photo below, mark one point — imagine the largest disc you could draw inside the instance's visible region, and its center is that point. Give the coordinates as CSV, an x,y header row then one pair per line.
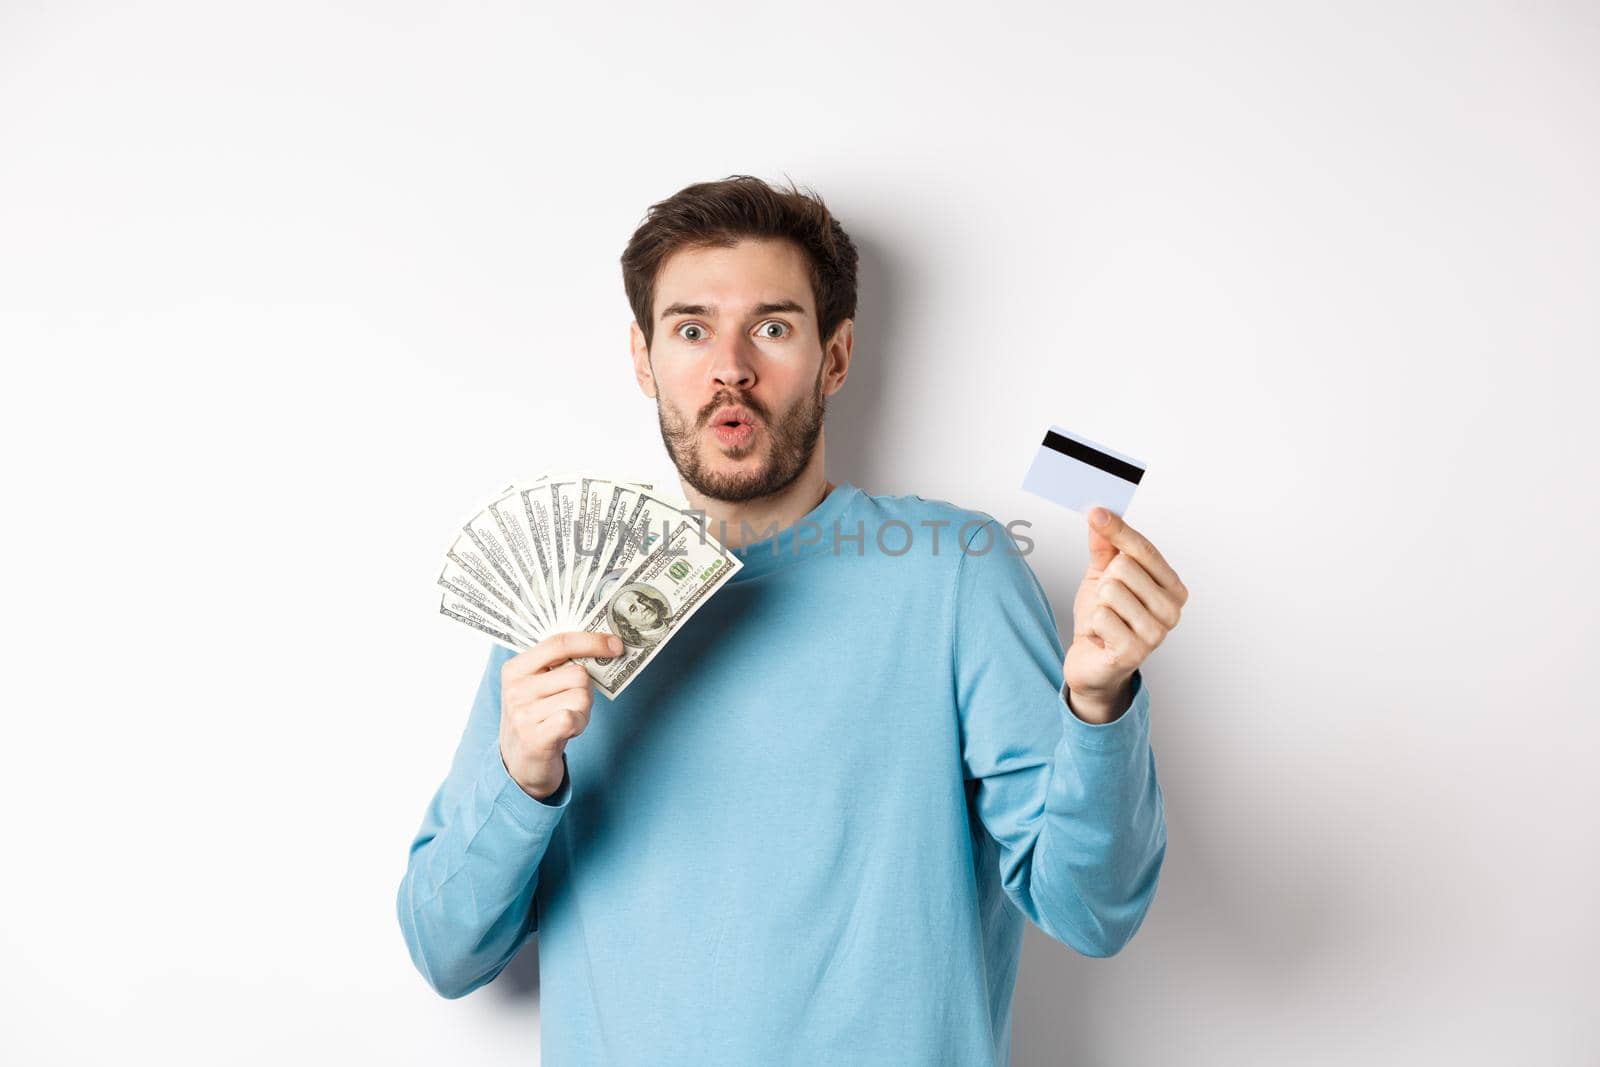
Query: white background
x,y
286,290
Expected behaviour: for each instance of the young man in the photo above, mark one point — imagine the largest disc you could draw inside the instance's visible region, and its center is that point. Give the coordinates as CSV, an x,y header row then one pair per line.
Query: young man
x,y
810,832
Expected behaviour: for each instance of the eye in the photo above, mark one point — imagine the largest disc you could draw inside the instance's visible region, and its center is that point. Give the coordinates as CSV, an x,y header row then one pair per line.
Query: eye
x,y
774,322
689,326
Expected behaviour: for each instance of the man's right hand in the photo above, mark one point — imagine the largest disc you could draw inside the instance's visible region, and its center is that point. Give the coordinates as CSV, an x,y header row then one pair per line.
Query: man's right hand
x,y
544,703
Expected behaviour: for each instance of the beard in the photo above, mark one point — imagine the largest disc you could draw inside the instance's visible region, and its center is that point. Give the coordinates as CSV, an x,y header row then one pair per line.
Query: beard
x,y
789,442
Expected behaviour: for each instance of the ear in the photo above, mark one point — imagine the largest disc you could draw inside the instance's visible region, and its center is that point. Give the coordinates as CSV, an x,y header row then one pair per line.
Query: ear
x,y
641,360
836,357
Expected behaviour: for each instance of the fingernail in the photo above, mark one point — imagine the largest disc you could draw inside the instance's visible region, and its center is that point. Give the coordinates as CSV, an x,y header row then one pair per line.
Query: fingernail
x,y
1101,516
615,645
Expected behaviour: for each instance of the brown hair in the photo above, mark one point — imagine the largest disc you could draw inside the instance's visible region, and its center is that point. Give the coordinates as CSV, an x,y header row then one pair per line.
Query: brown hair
x,y
718,214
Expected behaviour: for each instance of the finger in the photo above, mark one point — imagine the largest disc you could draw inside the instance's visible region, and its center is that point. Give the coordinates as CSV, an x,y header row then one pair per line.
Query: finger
x,y
1121,642
546,739
573,701
570,675
1125,537
1132,611
558,648
1163,605
534,687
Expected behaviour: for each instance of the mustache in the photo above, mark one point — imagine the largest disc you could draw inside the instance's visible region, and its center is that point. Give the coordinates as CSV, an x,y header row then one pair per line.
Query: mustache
x,y
728,400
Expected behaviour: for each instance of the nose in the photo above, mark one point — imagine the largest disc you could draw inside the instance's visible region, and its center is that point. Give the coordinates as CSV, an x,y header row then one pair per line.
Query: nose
x,y
732,365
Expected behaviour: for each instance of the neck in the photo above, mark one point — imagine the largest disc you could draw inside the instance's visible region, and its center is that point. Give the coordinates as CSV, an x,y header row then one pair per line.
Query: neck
x,y
737,523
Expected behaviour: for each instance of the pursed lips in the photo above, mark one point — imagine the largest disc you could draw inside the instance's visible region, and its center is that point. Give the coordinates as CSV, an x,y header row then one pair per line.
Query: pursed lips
x,y
733,416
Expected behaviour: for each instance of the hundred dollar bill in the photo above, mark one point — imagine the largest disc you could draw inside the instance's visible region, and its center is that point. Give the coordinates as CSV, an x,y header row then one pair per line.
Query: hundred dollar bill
x,y
579,504
536,514
587,517
466,553
607,507
649,519
511,519
484,531
454,607
651,603
562,492
459,581
515,571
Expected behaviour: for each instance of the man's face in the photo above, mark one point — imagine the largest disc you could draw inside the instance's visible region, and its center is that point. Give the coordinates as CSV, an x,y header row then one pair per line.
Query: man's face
x,y
737,368
639,611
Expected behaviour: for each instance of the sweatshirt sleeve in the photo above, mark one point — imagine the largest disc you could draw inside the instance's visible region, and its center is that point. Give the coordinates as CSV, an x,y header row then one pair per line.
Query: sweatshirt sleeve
x,y
1074,808
466,901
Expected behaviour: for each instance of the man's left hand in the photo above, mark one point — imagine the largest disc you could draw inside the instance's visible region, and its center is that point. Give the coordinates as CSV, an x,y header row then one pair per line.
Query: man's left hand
x,y
1129,601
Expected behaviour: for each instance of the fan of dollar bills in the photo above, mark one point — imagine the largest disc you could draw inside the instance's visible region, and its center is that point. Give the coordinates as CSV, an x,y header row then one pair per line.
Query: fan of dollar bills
x,y
588,553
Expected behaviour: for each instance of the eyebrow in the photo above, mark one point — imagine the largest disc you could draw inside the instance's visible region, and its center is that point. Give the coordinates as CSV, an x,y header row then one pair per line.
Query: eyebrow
x,y
711,309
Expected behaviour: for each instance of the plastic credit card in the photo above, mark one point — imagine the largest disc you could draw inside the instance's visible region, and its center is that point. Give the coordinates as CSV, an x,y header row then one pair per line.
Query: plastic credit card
x,y
1077,473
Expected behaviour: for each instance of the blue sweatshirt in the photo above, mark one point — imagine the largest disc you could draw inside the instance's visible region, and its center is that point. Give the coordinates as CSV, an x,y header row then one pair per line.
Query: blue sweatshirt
x,y
809,832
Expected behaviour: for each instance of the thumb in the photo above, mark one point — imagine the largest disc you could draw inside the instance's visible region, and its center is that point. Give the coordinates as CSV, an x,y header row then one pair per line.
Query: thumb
x,y
1101,549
